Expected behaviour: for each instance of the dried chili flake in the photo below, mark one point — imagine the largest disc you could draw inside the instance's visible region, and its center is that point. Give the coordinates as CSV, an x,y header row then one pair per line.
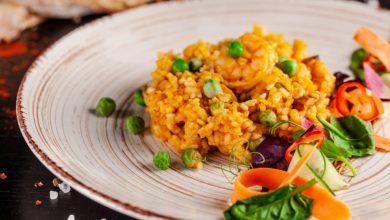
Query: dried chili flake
x,y
3,176
38,202
4,93
12,49
38,184
10,112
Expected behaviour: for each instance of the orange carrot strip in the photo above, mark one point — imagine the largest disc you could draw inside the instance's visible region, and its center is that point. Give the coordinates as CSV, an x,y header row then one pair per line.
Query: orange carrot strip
x,y
298,167
374,44
326,206
382,143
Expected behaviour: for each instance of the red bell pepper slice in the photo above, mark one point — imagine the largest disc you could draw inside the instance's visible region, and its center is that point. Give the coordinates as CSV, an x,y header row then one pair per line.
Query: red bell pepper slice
x,y
352,98
306,138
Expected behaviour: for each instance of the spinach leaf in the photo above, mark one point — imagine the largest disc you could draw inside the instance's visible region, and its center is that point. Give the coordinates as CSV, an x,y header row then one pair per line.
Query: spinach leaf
x,y
284,203
336,153
357,59
352,134
354,127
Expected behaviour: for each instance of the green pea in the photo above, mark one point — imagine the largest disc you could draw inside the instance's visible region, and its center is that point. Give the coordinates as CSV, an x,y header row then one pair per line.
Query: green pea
x,y
135,124
289,67
252,145
236,49
216,106
195,64
211,88
139,97
105,107
281,59
162,160
267,118
179,65
191,158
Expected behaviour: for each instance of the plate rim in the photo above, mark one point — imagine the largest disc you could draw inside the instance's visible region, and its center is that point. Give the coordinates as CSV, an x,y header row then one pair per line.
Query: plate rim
x,y
125,208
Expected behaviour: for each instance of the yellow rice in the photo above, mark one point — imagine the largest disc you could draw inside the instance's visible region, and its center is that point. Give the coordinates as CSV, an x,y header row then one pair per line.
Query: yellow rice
x,y
251,84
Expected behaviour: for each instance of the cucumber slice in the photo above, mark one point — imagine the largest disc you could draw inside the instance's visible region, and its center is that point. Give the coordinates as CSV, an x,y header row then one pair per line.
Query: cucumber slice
x,y
322,166
386,79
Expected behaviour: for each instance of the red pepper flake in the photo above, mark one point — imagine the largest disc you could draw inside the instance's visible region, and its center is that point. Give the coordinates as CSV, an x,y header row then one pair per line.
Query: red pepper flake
x,y
35,51
3,176
38,202
12,49
34,36
4,93
38,184
15,68
10,112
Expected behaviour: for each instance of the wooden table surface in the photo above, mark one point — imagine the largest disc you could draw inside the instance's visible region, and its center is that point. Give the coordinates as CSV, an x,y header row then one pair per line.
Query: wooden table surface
x,y
22,168
17,162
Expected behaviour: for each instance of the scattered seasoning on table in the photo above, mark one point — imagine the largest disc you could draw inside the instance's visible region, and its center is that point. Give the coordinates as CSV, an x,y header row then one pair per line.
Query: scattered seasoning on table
x,y
65,188
10,112
56,182
38,184
12,49
4,93
71,217
53,195
3,176
38,202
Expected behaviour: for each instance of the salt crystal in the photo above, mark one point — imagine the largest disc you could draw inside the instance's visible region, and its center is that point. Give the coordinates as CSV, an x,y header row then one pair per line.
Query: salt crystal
x,y
53,195
71,217
65,188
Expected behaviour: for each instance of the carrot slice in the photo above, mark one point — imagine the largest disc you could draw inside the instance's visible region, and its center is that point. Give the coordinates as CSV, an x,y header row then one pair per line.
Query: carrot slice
x,y
297,169
374,44
326,206
382,143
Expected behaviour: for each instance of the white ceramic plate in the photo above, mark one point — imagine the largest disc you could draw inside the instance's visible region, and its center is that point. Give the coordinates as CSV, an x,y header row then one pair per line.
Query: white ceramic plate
x,y
115,55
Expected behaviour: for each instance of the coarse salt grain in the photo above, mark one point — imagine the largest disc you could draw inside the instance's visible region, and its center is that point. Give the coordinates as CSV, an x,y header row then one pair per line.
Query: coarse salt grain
x,y
3,176
71,217
53,195
38,202
65,188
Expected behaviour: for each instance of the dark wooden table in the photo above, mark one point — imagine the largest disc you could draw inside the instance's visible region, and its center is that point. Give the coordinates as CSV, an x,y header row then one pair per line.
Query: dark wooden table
x,y
22,168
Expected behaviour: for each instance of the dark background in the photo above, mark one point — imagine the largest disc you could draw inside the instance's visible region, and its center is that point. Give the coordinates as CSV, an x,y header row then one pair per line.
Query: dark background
x,y
17,192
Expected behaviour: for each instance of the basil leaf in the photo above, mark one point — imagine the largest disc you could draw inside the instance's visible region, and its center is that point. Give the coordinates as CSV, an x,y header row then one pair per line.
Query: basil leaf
x,y
284,203
361,142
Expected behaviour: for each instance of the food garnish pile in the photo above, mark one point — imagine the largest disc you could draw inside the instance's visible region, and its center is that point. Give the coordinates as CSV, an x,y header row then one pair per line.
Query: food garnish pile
x,y
276,110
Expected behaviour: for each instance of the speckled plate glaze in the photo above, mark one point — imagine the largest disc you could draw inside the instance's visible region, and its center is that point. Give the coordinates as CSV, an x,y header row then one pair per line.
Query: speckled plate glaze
x,y
114,56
